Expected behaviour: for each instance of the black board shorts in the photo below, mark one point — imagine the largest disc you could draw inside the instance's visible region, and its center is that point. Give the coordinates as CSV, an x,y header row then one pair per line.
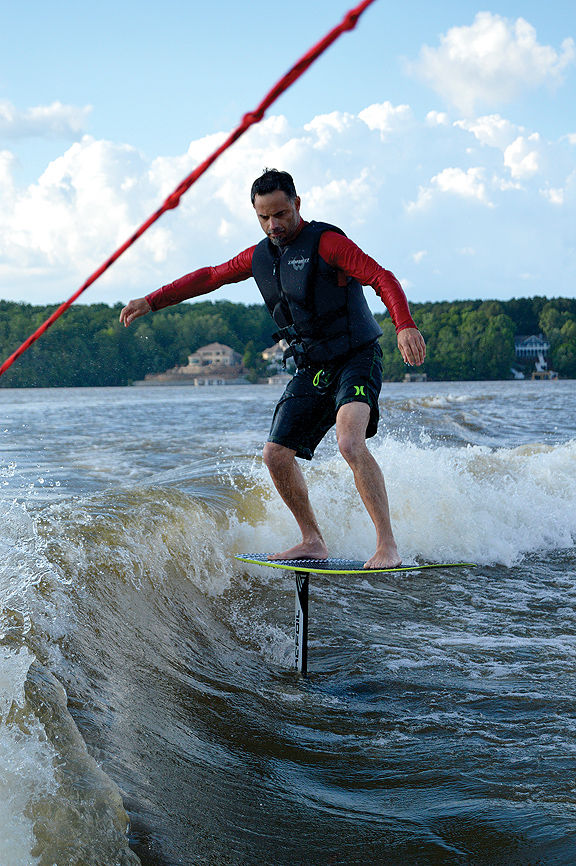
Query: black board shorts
x,y
308,407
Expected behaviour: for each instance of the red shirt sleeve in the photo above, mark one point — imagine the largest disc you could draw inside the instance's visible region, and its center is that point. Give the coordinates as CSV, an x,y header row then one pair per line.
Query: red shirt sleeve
x,y
203,281
342,253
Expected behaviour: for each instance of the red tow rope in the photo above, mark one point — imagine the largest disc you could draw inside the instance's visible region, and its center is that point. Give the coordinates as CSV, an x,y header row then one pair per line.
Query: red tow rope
x,y
349,22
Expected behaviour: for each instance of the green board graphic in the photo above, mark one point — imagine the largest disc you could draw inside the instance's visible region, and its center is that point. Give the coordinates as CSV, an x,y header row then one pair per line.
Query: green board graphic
x,y
339,566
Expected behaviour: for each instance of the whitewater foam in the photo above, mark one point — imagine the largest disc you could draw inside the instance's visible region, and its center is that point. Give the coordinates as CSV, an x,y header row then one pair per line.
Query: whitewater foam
x,y
50,787
449,504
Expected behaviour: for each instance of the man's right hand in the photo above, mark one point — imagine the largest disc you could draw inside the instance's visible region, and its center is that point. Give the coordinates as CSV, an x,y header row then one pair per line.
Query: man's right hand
x,y
133,309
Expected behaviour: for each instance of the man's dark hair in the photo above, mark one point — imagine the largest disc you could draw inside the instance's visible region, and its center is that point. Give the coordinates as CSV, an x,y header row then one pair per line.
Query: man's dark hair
x,y
270,181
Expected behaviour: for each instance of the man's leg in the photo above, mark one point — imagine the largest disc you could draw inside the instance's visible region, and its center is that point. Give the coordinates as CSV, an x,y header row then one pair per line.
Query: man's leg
x,y
290,484
351,423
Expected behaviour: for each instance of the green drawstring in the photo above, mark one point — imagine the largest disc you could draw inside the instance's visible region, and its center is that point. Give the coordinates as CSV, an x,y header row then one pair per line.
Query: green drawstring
x,y
316,379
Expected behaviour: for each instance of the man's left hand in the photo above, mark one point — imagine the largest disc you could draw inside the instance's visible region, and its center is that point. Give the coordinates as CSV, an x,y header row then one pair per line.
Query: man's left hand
x,y
412,346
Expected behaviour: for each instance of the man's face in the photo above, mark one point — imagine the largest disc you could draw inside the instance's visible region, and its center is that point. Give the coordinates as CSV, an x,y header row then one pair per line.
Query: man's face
x,y
278,215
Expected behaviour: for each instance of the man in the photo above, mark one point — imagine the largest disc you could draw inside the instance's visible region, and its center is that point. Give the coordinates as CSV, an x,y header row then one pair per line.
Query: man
x,y
311,276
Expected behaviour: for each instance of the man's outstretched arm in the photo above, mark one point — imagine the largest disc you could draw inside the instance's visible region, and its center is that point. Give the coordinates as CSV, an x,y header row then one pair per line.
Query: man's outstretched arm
x,y
193,285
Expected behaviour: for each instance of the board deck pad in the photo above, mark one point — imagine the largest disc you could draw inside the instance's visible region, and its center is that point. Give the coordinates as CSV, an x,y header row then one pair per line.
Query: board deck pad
x,y
339,566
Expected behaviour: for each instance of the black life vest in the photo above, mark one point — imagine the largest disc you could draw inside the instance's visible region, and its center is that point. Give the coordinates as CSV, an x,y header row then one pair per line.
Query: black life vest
x,y
321,319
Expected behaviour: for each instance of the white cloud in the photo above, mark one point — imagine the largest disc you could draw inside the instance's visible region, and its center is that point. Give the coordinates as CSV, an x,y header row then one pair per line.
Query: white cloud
x,y
327,128
387,118
523,156
554,196
491,130
485,189
491,62
225,229
468,184
358,192
42,121
437,118
7,166
85,203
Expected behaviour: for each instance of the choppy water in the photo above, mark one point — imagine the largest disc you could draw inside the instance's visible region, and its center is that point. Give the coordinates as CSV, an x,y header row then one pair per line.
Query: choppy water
x,y
145,675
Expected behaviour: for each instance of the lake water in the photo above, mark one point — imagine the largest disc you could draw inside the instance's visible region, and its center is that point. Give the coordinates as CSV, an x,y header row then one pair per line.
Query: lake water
x,y
149,712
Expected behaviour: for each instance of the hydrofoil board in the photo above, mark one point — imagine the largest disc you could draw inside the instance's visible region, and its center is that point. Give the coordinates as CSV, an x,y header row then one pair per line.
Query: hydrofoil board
x,y
339,566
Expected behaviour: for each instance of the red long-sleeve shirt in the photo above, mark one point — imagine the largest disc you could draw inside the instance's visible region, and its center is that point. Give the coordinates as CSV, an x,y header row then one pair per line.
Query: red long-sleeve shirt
x,y
336,250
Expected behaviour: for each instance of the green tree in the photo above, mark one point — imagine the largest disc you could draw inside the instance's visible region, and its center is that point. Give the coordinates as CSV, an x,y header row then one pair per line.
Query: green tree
x,y
88,346
558,323
253,362
393,367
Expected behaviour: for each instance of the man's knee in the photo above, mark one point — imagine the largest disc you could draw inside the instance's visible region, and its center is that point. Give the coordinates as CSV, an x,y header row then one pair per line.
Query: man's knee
x,y
352,446
277,457
351,423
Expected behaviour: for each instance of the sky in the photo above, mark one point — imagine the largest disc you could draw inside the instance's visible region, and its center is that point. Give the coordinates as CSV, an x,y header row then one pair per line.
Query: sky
x,y
440,137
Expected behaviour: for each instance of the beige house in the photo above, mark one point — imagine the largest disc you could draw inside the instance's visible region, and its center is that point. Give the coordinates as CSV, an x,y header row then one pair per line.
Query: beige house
x,y
275,353
214,364
213,355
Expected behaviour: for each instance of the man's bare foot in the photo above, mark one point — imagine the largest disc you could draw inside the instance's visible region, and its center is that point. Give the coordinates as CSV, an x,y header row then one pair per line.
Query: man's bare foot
x,y
305,550
385,557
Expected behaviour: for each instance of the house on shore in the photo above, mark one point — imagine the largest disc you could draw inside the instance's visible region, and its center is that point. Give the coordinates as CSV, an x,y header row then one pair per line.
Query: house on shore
x,y
274,354
280,374
214,364
215,357
218,364
533,348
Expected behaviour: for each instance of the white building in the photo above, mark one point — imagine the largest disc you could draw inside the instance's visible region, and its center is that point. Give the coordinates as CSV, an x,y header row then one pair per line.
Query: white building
x,y
531,347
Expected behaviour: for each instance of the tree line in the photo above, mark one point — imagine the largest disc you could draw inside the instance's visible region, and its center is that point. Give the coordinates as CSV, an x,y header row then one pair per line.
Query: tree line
x,y
87,346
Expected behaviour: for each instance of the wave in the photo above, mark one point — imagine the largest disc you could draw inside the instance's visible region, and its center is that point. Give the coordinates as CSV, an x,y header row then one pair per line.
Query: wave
x,y
444,401
491,506
57,805
95,587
